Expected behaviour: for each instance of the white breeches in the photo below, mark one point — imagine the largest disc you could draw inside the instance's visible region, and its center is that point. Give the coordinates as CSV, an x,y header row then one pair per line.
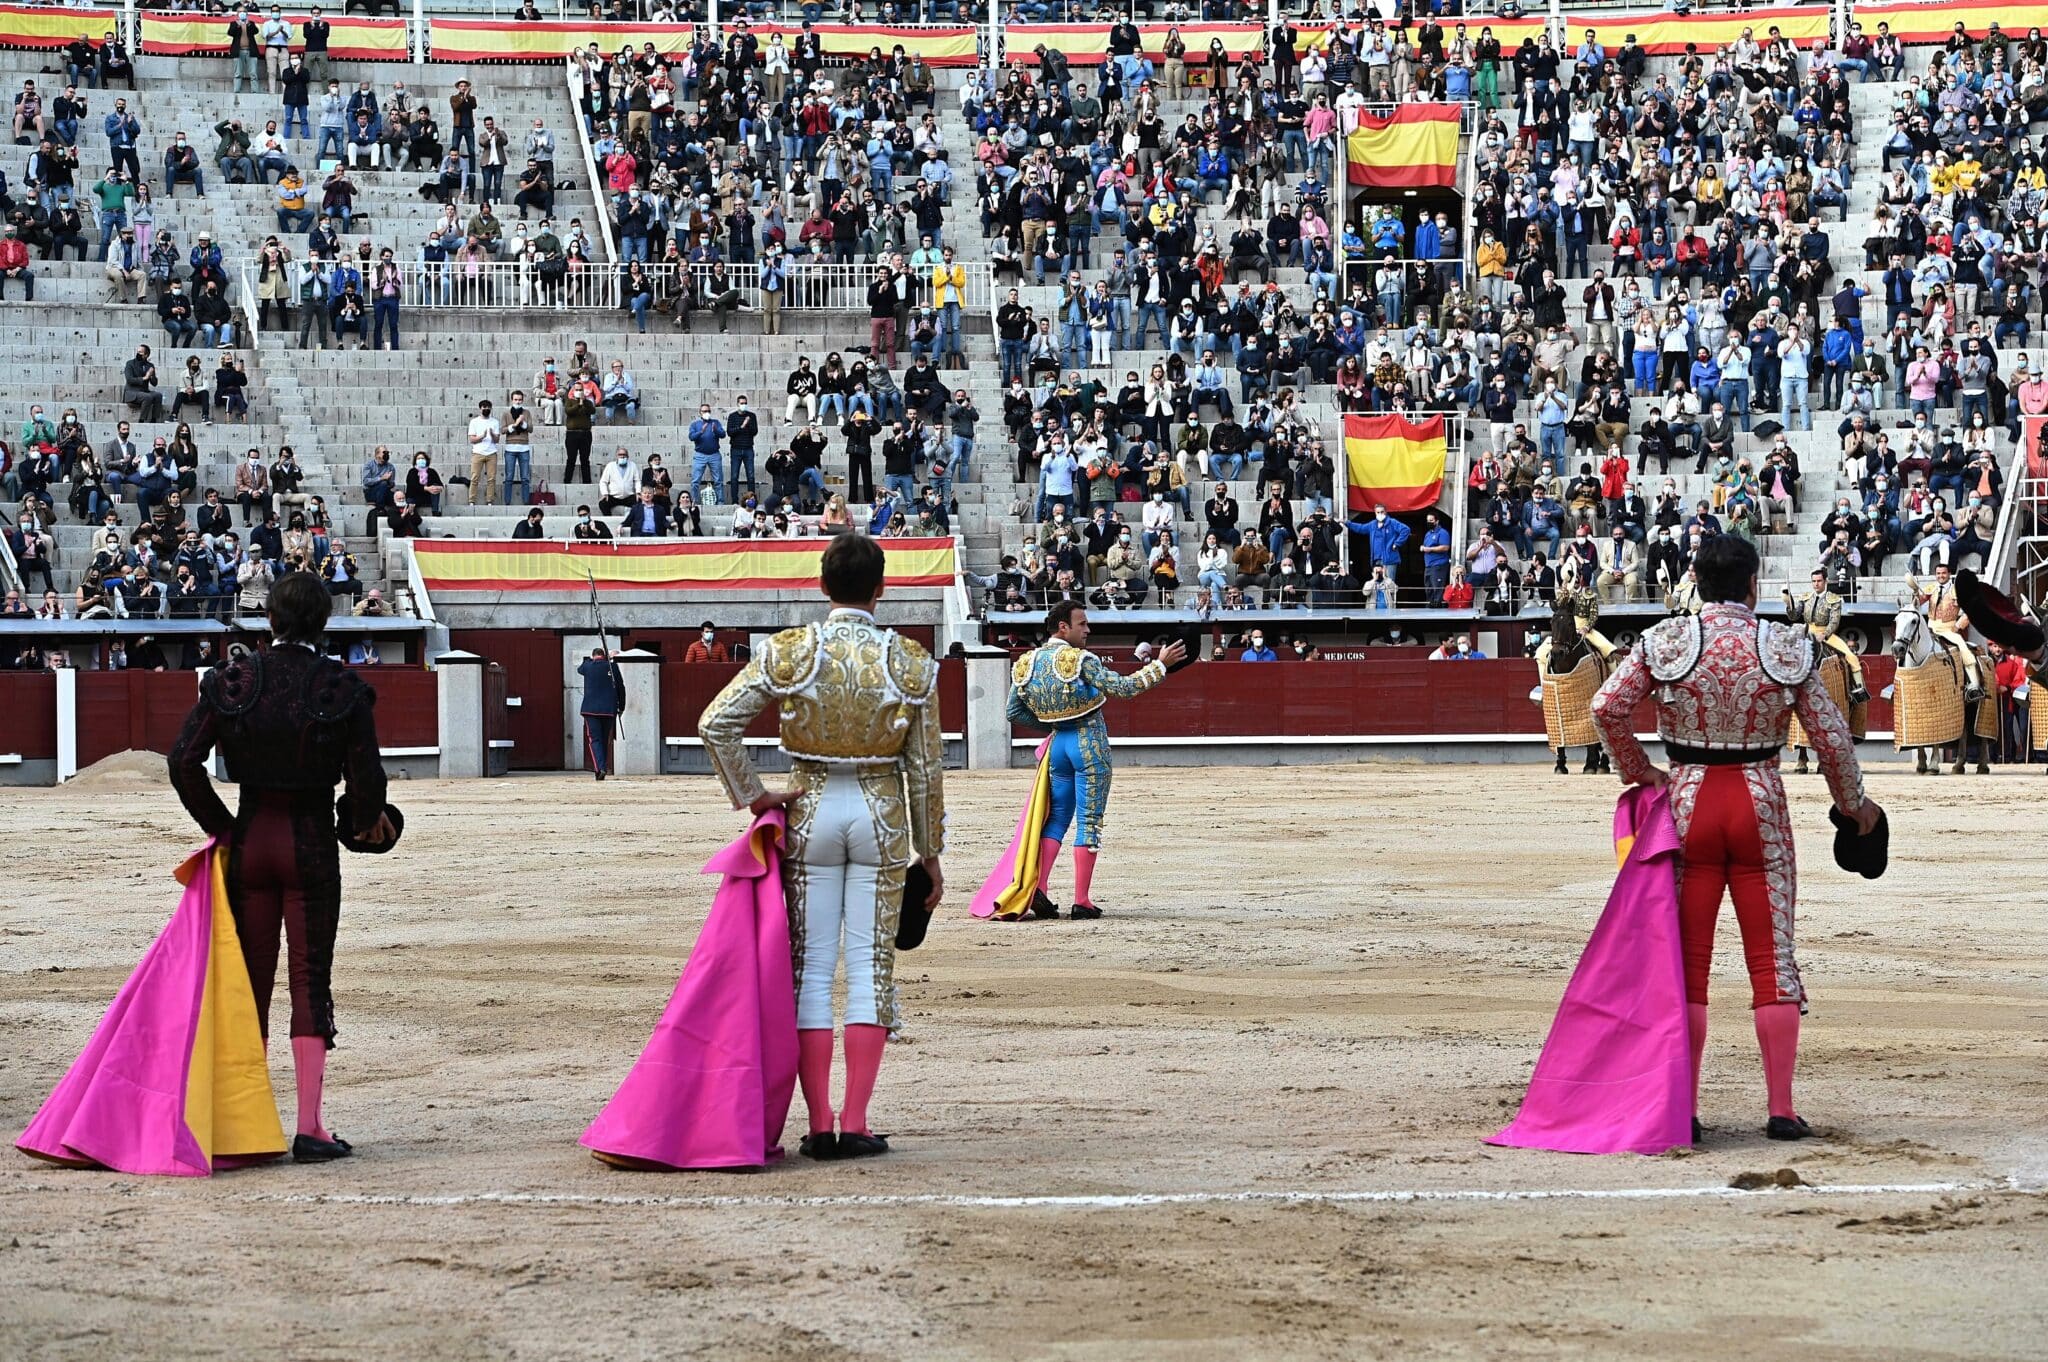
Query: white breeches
x,y
849,848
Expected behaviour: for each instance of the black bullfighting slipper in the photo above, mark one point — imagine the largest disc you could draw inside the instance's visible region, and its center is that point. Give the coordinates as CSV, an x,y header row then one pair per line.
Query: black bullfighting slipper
x,y
821,1145
313,1149
1699,1132
1084,912
1788,1128
858,1144
1043,906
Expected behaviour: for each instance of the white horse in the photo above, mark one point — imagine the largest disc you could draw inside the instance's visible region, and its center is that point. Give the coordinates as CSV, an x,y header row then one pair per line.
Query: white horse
x,y
1914,646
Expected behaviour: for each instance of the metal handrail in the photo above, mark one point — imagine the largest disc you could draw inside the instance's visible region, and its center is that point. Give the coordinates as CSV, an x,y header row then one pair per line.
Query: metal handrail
x,y
509,285
416,587
10,573
603,216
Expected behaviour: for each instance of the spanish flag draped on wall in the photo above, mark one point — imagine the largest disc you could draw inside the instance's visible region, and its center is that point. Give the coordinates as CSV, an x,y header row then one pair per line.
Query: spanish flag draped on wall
x,y
1393,462
1413,147
506,565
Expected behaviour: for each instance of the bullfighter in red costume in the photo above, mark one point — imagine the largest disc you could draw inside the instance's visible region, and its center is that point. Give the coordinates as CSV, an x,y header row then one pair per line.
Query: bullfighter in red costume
x,y
1726,684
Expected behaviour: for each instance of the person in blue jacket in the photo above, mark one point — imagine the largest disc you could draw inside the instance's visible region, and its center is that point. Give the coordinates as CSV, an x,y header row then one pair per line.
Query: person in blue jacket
x,y
1386,536
604,699
1837,355
1436,559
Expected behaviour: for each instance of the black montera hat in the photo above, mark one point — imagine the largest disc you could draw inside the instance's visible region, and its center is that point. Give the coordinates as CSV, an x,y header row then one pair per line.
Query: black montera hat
x,y
345,828
1865,854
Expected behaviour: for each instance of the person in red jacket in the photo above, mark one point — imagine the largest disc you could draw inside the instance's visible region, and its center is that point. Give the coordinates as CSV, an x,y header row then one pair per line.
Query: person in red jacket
x,y
1614,481
1691,253
2015,703
1627,242
14,264
707,648
1458,595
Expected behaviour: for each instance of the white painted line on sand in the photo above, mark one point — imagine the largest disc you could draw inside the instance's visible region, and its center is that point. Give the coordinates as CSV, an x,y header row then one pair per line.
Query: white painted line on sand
x,y
1133,1200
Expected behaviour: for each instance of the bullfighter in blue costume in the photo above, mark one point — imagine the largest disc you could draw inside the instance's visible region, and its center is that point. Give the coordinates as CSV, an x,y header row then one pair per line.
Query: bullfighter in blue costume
x,y
1062,686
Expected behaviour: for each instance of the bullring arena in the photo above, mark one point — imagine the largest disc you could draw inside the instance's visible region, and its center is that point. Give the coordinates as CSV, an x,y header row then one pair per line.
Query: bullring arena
x,y
1242,1117
1409,397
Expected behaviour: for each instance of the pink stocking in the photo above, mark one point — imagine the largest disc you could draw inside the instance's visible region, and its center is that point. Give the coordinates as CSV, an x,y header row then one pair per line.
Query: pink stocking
x,y
814,1074
1048,852
863,1062
1084,874
1696,1029
309,1064
1777,1035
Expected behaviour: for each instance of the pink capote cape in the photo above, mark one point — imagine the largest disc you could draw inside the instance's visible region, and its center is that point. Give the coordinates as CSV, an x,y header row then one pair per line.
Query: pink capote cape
x,y
1615,1076
1008,890
174,1078
712,1089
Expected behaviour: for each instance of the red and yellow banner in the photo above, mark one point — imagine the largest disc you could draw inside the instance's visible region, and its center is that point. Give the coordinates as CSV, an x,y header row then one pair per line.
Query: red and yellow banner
x,y
1088,44
182,35
1934,23
1668,34
509,565
1413,147
471,40
1393,462
48,26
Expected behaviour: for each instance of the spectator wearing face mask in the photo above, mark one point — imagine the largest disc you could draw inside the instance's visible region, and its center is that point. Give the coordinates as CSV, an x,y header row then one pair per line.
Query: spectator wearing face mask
x,y
618,484
588,526
645,518
1257,651
423,484
707,436
1385,537
742,428
706,647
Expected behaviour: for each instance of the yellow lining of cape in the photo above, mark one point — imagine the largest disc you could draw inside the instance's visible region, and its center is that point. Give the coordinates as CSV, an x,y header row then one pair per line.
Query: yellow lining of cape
x,y
229,1106
1015,900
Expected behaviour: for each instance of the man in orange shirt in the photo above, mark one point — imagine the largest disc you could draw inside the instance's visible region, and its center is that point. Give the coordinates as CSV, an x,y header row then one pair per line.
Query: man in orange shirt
x,y
707,648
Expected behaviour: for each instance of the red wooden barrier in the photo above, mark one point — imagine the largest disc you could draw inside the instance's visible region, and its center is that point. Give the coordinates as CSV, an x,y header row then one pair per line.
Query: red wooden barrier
x,y
497,715
532,659
686,687
28,715
131,711
1394,696
408,705
953,694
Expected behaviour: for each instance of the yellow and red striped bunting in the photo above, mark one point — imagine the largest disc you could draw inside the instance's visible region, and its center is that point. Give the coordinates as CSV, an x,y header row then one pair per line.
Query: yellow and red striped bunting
x,y
1662,35
351,39
514,565
470,40
51,26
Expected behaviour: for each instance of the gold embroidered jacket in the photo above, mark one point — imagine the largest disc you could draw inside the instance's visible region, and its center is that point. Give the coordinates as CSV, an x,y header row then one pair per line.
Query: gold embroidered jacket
x,y
849,692
1819,611
1058,683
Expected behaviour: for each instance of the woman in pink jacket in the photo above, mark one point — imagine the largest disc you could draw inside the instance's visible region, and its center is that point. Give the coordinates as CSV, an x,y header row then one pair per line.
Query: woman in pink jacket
x,y
1923,376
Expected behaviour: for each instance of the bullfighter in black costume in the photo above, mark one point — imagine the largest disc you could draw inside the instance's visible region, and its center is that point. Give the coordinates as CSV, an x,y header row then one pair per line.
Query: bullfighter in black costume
x,y
290,724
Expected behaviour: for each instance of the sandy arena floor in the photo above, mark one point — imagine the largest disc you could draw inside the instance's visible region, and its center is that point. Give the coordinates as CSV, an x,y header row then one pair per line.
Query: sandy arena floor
x,y
1340,995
